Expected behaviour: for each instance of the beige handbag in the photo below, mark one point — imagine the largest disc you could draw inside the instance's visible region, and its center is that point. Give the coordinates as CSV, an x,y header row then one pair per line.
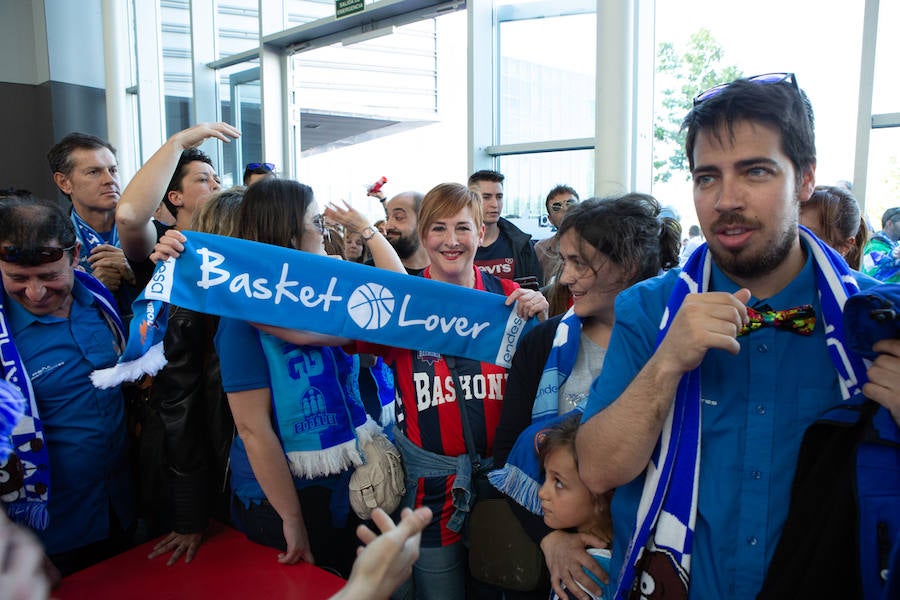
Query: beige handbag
x,y
380,482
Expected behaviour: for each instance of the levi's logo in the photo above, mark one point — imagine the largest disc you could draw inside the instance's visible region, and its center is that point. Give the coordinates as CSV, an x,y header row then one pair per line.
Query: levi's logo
x,y
500,267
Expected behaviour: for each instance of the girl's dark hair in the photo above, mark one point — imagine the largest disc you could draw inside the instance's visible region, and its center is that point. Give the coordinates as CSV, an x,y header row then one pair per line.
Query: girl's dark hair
x,y
560,435
629,230
273,212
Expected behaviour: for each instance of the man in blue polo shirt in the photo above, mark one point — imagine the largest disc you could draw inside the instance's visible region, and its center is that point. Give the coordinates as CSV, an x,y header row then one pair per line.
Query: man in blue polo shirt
x,y
68,479
755,385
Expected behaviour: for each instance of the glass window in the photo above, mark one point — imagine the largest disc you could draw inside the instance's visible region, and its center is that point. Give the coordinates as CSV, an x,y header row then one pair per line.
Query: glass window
x,y
530,176
394,106
237,26
547,73
883,178
304,11
886,92
826,62
391,76
175,25
239,95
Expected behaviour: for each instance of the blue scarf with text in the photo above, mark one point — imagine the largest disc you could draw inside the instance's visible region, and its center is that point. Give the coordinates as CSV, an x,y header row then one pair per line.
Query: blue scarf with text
x,y
289,288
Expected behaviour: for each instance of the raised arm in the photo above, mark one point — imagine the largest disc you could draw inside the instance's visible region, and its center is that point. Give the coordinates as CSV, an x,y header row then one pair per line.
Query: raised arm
x,y
614,445
383,254
145,191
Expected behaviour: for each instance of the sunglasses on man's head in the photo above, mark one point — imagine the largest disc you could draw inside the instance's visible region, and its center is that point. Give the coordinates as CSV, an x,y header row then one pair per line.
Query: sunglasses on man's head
x,y
765,78
266,166
32,256
558,206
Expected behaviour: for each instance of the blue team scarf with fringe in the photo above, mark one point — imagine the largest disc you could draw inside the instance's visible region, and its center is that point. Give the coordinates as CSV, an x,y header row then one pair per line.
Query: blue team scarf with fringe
x,y
384,382
667,510
279,286
521,478
28,466
316,406
90,239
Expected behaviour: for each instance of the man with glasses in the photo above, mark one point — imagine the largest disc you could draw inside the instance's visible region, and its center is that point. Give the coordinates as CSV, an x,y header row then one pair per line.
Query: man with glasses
x,y
711,379
506,251
881,256
256,171
179,175
68,478
558,202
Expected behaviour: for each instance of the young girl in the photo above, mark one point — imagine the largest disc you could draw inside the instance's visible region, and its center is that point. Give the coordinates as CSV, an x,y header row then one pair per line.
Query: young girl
x,y
566,502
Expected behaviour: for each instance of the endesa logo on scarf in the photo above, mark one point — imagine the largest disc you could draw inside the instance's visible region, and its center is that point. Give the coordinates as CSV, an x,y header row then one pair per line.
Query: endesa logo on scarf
x,y
289,288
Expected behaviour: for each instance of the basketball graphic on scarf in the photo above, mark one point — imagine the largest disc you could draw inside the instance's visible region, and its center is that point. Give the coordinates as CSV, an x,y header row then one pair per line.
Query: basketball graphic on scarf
x,y
370,306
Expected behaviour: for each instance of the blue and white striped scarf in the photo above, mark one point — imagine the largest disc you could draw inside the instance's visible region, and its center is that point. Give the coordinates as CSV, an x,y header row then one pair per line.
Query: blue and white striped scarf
x,y
668,507
90,239
30,460
521,478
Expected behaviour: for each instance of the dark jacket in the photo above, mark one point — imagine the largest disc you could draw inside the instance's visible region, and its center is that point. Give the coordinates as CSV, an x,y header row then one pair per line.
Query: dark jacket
x,y
526,261
844,515
197,422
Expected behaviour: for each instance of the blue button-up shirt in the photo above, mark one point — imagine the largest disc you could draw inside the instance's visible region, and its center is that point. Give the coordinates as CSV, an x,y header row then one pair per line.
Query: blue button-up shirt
x,y
755,409
84,427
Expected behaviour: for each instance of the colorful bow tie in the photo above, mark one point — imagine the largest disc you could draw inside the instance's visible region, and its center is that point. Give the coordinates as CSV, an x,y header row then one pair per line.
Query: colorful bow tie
x,y
801,319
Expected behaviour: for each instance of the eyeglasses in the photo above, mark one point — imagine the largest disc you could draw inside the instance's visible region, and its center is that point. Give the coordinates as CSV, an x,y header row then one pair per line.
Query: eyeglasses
x,y
318,222
558,206
266,166
765,78
32,256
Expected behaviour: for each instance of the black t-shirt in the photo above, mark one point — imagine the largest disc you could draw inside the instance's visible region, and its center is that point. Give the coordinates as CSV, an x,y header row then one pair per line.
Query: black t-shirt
x,y
497,259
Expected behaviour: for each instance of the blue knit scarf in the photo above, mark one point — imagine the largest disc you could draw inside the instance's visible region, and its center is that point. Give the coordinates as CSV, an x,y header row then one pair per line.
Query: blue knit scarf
x,y
279,286
384,382
316,406
90,239
521,477
30,461
668,507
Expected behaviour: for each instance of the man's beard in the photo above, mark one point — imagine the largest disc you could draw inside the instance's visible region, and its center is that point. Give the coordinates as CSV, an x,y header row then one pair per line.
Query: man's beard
x,y
750,266
405,246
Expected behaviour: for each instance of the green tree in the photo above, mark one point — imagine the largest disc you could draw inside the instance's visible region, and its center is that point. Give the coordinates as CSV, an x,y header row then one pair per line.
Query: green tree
x,y
680,77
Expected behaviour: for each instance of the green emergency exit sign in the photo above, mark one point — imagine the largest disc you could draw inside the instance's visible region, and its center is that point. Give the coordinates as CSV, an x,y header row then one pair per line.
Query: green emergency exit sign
x,y
342,8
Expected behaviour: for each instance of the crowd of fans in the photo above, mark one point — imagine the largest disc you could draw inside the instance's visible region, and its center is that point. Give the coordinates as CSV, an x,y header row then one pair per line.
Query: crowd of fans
x,y
658,411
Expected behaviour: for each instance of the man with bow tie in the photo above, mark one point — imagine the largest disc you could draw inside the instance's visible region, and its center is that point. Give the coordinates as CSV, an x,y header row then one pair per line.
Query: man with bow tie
x,y
713,374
